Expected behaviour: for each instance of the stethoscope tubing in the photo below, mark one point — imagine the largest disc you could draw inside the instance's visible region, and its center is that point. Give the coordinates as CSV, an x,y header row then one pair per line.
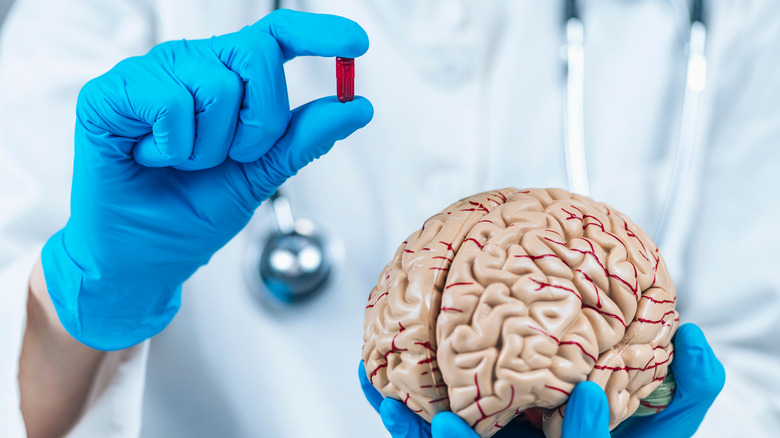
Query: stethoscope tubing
x,y
686,149
574,120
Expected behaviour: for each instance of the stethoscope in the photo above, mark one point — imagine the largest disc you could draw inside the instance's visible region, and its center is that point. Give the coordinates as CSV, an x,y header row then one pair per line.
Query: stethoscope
x,y
295,263
686,149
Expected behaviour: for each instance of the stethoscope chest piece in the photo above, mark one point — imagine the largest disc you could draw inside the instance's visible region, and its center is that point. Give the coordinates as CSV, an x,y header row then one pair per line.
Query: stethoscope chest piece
x,y
296,264
290,263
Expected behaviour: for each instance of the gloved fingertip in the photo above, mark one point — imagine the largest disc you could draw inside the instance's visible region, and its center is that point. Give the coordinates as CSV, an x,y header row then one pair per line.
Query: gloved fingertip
x,y
303,33
362,111
352,115
590,391
690,332
388,411
696,368
398,419
587,412
358,45
449,424
326,120
358,42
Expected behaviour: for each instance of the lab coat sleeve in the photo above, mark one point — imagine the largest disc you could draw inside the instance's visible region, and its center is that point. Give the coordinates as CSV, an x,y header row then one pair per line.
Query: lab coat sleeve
x,y
48,50
113,406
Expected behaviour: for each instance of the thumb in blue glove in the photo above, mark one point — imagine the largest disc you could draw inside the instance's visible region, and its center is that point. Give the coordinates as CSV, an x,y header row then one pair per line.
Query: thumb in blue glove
x,y
174,150
699,377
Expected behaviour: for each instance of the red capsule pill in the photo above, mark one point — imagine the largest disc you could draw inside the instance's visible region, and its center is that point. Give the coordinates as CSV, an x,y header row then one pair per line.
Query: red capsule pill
x,y
345,79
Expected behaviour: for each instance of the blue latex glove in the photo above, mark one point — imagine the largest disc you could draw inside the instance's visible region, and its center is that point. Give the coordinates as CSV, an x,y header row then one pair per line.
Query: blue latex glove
x,y
174,150
698,374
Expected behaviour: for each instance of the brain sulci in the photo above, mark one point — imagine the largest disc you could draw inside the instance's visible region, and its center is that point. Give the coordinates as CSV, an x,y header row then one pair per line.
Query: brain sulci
x,y
500,304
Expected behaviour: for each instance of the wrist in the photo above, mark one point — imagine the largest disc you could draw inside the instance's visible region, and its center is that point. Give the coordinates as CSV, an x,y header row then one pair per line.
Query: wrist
x,y
55,370
41,314
107,304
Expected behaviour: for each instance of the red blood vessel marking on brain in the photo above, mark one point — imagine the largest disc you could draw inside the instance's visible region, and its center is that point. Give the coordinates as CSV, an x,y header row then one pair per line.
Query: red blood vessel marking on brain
x,y
500,304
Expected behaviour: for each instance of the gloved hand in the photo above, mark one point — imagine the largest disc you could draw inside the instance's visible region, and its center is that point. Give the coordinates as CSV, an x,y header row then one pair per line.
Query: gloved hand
x,y
174,150
698,374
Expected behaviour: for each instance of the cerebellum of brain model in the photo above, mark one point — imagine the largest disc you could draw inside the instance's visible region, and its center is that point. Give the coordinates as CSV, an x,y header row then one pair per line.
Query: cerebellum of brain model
x,y
500,304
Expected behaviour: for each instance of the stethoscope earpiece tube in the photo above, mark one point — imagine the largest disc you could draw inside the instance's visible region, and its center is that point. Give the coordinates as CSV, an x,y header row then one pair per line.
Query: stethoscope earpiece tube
x,y
573,126
685,152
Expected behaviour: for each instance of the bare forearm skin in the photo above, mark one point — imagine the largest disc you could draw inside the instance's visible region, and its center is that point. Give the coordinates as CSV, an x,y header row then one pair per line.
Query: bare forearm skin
x,y
55,370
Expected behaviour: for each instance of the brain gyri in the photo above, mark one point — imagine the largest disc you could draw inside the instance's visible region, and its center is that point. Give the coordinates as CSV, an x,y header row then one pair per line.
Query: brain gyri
x,y
500,304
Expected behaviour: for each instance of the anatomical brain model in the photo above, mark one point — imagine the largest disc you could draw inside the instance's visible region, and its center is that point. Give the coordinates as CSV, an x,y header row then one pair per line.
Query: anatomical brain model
x,y
500,304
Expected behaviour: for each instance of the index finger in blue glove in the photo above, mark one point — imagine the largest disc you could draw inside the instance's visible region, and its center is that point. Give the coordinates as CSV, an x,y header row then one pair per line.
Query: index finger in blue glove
x,y
306,34
256,54
372,395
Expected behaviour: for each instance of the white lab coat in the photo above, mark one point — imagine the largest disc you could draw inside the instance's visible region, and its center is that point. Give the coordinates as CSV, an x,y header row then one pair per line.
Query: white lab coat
x,y
468,97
